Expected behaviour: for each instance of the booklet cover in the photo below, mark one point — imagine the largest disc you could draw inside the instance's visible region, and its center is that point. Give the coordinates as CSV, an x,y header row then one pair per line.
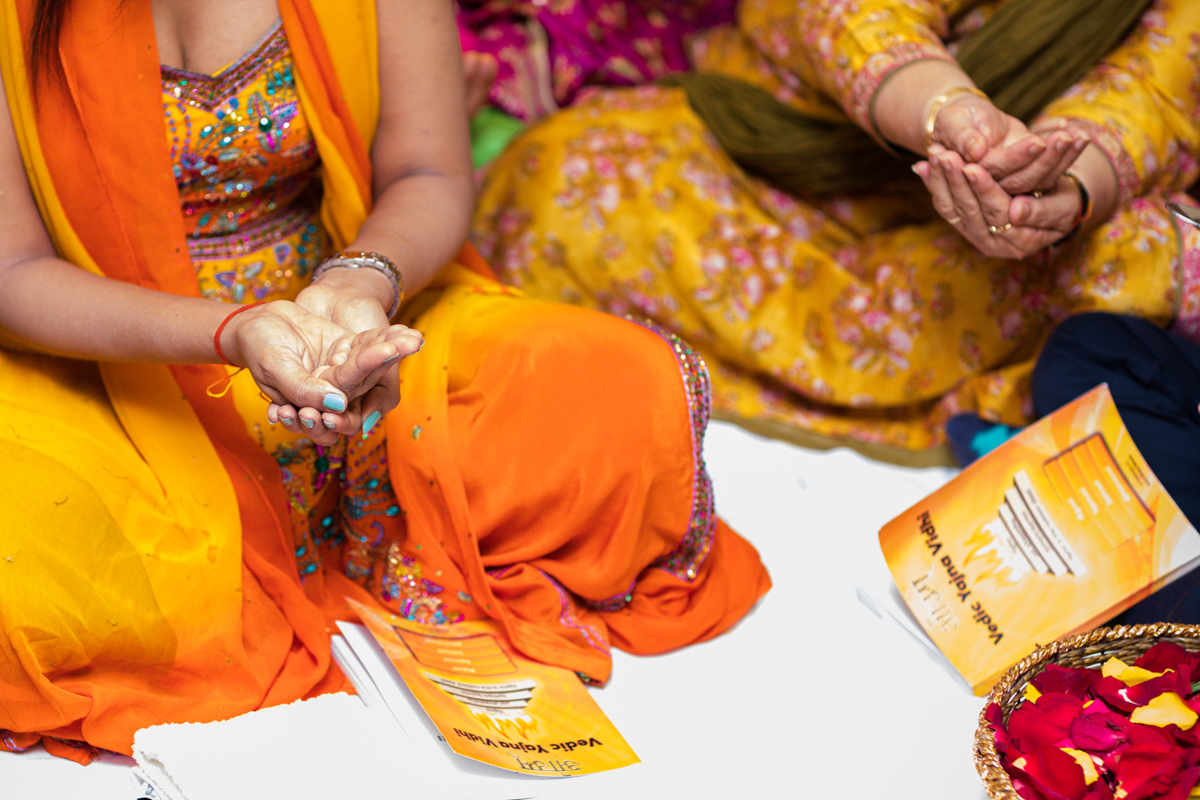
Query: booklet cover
x,y
1052,533
493,705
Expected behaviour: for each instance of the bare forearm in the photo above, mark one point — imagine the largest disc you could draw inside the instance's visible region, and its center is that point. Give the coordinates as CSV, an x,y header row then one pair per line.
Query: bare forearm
x,y
419,222
901,102
50,306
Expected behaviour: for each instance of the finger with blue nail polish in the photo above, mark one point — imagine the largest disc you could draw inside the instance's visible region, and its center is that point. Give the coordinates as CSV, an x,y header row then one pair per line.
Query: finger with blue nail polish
x,y
335,402
285,415
369,423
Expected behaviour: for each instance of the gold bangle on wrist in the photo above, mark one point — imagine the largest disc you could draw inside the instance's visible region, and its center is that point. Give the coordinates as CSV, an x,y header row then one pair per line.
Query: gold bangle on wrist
x,y
936,104
1085,206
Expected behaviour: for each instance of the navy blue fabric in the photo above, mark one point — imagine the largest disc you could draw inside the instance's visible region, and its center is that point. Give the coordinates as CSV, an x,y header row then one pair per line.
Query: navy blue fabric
x,y
1154,377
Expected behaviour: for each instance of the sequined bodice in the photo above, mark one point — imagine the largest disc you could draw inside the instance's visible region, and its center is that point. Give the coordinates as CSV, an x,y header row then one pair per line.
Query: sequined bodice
x,y
246,166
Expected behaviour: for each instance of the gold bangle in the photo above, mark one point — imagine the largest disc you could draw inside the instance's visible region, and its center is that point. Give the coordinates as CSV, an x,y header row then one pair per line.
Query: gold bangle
x,y
1085,206
1085,199
936,105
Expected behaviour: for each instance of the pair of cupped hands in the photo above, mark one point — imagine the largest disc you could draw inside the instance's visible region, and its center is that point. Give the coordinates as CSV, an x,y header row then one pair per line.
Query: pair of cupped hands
x,y
327,362
984,168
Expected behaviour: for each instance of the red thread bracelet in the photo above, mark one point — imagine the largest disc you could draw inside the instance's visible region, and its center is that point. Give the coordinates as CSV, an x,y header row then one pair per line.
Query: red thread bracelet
x,y
221,327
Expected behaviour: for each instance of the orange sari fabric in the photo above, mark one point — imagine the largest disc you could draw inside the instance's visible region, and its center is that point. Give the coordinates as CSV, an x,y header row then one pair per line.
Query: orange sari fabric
x,y
545,461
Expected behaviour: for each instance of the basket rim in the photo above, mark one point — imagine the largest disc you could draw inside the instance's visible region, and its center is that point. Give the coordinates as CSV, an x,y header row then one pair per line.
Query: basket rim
x,y
996,780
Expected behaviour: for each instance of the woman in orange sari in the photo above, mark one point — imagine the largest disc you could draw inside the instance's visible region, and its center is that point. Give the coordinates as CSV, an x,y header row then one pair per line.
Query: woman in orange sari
x,y
180,533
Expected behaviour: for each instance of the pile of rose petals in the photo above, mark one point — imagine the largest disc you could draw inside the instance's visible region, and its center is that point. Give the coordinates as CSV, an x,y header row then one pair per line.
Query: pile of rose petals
x,y
1123,732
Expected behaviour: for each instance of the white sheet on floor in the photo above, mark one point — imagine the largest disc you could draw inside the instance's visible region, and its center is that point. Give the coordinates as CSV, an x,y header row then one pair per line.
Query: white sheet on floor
x,y
811,695
329,746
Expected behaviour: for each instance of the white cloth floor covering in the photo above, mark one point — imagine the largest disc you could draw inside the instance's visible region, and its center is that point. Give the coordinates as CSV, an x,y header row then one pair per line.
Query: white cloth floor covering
x,y
812,695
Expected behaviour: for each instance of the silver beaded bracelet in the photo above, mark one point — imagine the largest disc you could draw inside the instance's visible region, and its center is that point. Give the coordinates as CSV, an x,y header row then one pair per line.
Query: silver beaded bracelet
x,y
376,261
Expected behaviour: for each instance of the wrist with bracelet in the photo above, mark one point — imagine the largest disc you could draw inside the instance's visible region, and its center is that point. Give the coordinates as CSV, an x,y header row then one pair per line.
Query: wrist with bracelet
x,y
357,259
221,329
1085,206
936,104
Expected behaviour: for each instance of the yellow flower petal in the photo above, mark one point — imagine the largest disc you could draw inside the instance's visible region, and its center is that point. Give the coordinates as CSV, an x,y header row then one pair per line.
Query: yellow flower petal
x,y
1085,761
1031,693
1132,676
1166,709
1113,668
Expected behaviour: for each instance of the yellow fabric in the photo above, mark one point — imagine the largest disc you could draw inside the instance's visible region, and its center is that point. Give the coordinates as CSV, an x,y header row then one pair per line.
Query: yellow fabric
x,y
166,433
852,316
161,574
136,453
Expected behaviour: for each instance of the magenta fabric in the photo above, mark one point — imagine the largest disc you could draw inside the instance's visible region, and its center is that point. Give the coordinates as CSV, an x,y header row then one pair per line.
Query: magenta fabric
x,y
548,51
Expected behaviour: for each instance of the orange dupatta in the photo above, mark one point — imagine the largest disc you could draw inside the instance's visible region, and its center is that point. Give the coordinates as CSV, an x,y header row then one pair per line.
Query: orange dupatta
x,y
104,185
108,198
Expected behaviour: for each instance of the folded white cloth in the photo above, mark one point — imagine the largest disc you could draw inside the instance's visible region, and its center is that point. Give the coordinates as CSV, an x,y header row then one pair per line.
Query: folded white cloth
x,y
330,746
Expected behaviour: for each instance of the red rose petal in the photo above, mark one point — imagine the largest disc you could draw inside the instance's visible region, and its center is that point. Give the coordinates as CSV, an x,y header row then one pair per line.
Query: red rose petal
x,y
1043,723
1111,691
1166,655
1065,680
1099,733
1098,791
1183,785
1148,769
1026,790
1127,698
995,716
1055,774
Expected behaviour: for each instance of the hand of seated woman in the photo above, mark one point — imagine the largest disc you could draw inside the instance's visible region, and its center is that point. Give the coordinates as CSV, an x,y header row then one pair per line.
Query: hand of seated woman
x,y
354,299
364,367
1020,161
303,361
968,197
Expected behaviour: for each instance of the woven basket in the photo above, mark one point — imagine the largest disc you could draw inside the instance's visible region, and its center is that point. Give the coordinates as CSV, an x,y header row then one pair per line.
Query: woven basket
x,y
1091,649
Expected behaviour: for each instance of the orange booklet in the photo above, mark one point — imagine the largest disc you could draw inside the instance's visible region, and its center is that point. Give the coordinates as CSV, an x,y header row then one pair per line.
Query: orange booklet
x,y
492,704
1052,533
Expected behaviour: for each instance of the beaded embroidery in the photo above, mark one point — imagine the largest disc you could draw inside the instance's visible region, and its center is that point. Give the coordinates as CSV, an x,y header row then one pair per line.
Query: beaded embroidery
x,y
9,744
685,561
245,163
592,636
307,470
371,557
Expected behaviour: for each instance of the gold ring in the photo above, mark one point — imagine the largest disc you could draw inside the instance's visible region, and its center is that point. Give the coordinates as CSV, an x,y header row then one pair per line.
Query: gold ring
x,y
994,230
1036,194
954,221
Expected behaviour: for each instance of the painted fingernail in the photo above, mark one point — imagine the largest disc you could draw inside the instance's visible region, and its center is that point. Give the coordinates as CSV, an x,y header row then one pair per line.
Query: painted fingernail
x,y
308,423
335,402
330,425
369,423
286,420
390,359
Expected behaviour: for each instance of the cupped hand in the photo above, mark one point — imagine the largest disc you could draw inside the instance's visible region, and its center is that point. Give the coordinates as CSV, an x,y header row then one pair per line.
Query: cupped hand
x,y
283,345
351,298
1018,160
346,302
364,368
996,223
